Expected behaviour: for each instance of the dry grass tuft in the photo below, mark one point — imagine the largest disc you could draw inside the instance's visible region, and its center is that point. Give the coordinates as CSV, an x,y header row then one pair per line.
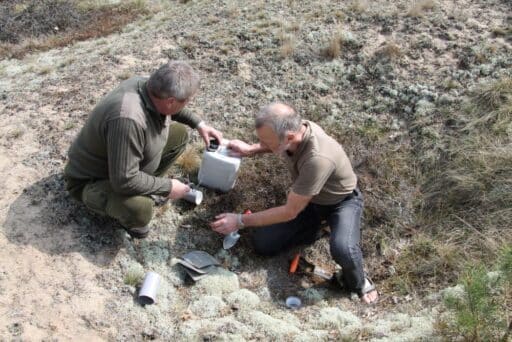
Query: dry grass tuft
x,y
287,46
333,48
390,50
495,96
469,187
189,161
358,6
505,32
426,261
418,8
133,277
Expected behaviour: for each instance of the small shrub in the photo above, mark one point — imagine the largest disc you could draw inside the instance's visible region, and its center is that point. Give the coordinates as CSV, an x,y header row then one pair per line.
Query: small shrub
x,y
481,313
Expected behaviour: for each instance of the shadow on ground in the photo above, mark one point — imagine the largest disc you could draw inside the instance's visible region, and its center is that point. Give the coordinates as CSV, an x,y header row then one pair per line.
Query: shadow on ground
x,y
45,217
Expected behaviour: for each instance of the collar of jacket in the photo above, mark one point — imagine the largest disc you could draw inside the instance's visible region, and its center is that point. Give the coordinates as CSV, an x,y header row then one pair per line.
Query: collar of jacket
x,y
143,92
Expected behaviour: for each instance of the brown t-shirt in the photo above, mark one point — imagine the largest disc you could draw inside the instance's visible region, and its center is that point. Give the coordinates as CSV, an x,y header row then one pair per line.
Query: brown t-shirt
x,y
320,167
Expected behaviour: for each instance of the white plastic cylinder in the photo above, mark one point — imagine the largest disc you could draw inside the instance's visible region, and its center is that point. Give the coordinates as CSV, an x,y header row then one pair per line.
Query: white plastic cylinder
x,y
194,196
149,288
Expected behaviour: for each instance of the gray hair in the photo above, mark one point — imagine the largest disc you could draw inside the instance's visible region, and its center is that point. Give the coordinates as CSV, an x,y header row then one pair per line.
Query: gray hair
x,y
174,79
282,118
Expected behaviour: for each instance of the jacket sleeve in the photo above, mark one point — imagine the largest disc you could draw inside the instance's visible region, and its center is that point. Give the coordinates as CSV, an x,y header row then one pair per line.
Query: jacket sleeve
x,y
187,117
125,146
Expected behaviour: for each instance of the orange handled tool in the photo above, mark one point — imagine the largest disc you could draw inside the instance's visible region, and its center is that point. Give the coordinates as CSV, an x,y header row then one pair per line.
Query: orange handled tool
x,y
295,263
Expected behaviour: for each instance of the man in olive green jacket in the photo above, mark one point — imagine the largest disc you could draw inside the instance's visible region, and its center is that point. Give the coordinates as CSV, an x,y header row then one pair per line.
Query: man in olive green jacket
x,y
130,140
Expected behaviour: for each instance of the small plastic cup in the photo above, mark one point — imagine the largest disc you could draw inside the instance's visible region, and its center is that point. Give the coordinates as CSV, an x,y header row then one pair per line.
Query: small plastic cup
x,y
194,196
230,240
293,303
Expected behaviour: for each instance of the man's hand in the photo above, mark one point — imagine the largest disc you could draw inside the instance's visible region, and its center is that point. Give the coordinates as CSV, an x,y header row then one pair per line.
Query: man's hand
x,y
225,223
178,189
240,148
208,132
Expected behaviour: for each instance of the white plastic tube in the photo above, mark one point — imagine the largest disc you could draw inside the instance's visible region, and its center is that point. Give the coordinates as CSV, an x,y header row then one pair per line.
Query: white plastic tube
x,y
149,288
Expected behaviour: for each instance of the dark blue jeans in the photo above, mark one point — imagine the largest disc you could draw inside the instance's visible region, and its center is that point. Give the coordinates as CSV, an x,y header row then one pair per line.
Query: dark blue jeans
x,y
344,218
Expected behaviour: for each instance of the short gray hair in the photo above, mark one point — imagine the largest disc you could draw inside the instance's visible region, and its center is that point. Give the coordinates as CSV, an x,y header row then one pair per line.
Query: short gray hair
x,y
282,118
174,79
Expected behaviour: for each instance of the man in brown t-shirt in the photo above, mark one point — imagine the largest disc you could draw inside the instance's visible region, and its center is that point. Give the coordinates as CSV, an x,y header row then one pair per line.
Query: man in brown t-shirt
x,y
324,188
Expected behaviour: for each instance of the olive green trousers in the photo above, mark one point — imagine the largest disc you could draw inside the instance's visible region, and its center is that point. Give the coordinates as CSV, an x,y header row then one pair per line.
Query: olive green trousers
x,y
130,211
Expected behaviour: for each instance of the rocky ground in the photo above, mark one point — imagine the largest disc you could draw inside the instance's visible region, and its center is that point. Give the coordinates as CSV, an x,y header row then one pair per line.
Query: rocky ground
x,y
66,274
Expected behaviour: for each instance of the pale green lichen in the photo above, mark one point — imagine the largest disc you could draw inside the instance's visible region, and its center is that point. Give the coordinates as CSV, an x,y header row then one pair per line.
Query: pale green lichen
x,y
334,318
222,329
270,326
217,283
312,336
453,292
244,298
313,296
155,253
402,327
207,306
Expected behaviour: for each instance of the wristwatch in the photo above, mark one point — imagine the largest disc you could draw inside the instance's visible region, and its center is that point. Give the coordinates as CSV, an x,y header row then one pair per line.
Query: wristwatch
x,y
240,221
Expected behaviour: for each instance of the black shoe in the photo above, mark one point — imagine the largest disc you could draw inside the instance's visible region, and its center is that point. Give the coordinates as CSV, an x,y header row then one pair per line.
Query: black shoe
x,y
139,232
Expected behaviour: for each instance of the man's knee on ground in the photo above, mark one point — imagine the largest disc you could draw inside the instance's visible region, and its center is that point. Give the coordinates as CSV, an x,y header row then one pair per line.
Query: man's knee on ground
x,y
179,133
137,212
264,247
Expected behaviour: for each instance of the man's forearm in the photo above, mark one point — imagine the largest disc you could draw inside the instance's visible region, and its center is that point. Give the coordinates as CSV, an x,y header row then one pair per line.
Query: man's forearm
x,y
268,217
258,149
141,184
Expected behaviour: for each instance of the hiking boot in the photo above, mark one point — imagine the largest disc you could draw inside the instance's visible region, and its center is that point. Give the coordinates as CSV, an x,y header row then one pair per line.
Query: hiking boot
x,y
138,232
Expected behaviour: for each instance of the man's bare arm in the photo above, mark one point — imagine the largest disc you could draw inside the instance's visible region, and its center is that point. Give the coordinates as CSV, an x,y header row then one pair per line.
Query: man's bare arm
x,y
244,149
228,222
